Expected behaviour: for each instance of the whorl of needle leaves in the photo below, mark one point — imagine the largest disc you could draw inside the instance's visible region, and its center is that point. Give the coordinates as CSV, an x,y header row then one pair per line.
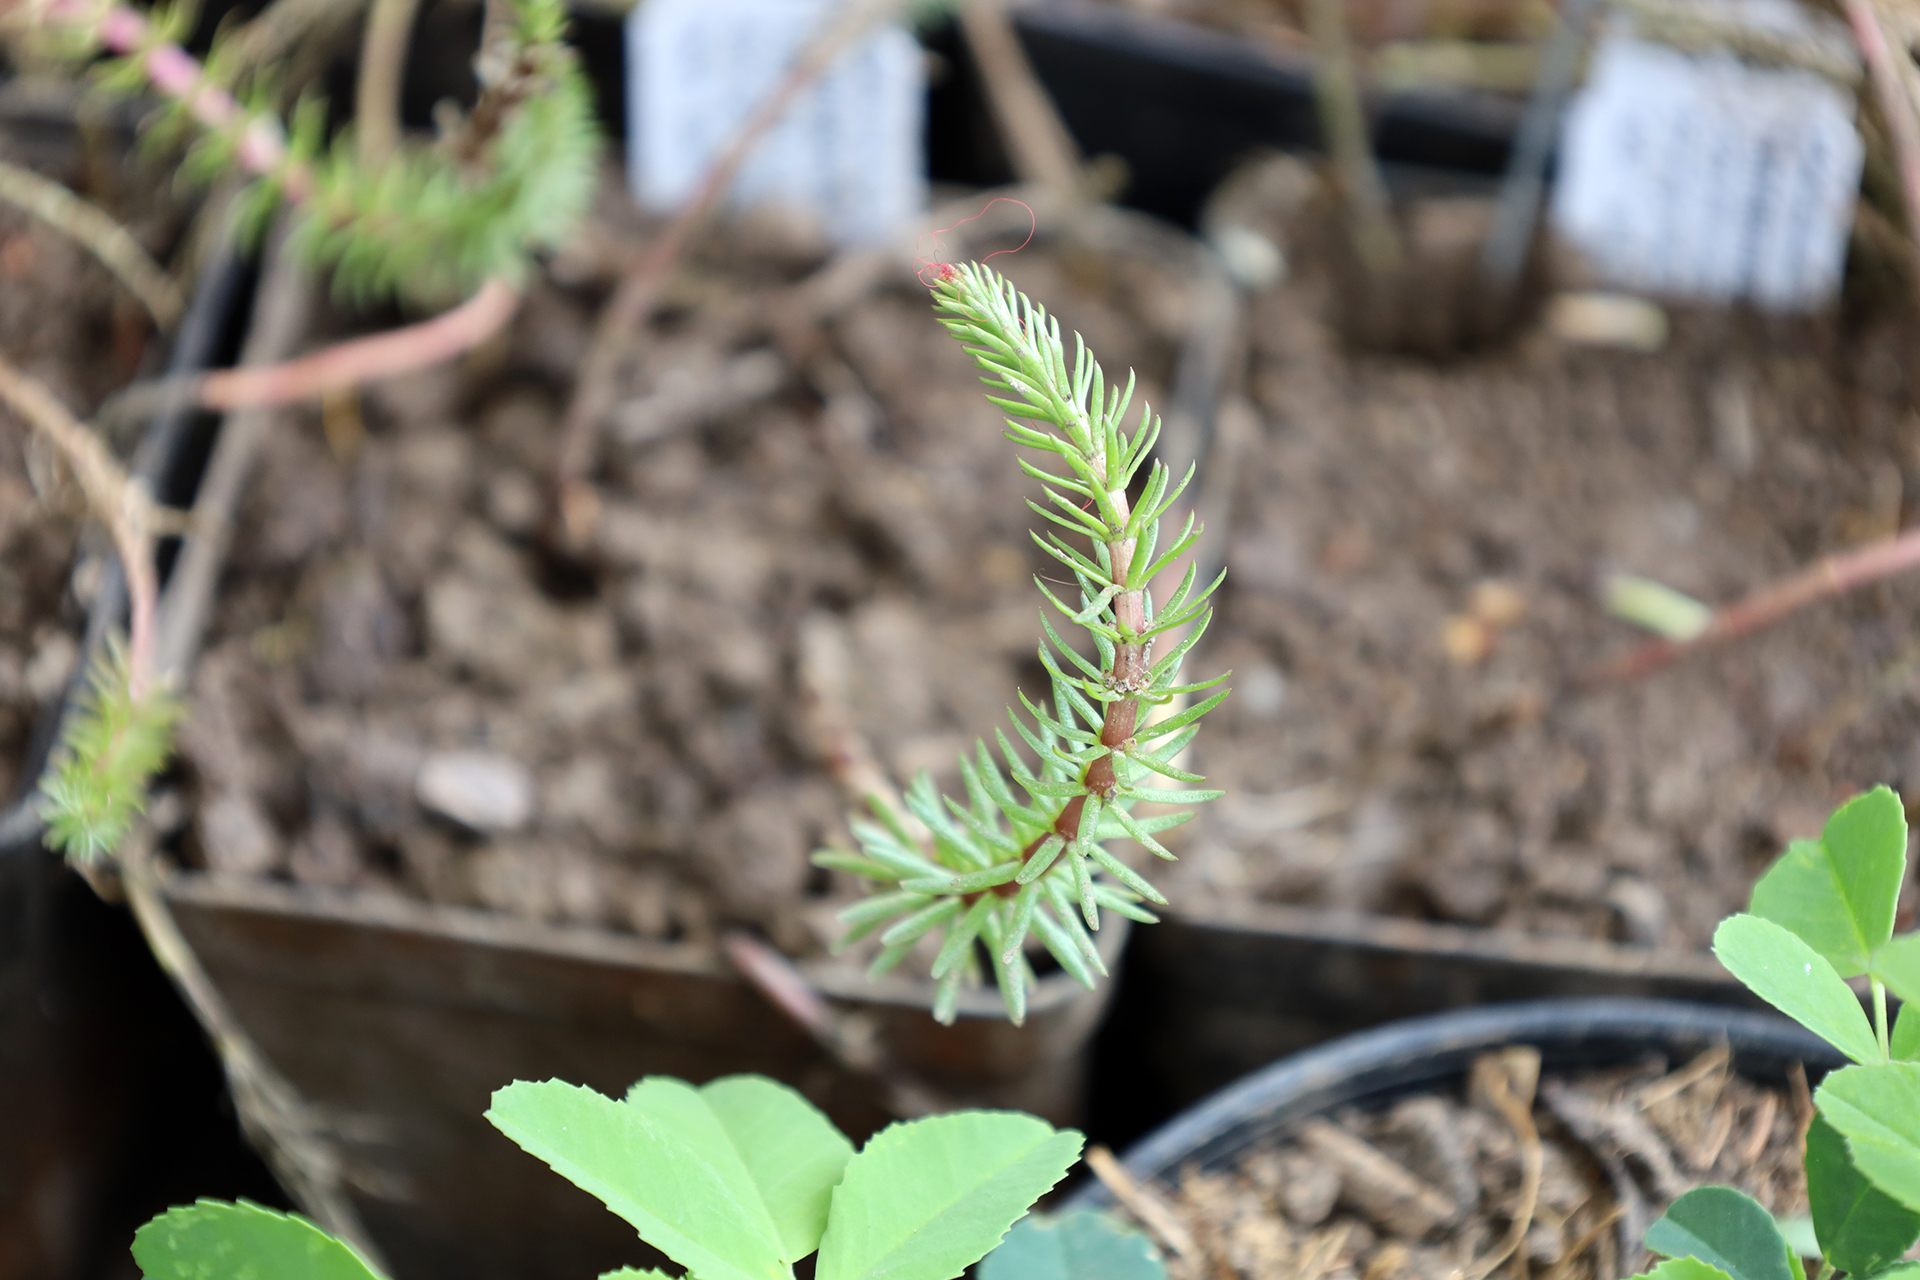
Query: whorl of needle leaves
x,y
434,222
111,747
999,866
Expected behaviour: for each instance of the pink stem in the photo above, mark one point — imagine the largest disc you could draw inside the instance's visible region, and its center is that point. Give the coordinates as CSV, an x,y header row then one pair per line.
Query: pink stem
x,y
261,148
1829,576
361,360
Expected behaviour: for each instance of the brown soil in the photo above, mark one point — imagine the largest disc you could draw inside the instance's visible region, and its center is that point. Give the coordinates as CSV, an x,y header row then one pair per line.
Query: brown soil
x,y
852,518
1416,561
1416,552
63,321
1435,1186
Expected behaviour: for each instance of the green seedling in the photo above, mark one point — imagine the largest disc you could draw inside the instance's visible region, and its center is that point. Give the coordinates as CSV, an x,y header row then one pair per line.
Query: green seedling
x,y
736,1180
1824,913
999,866
428,223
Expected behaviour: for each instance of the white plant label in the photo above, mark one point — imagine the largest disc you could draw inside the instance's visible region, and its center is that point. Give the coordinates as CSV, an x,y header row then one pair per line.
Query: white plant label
x,y
849,152
1700,176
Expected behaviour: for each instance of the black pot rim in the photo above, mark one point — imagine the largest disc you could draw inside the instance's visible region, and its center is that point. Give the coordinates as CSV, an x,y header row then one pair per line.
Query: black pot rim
x,y
1434,1050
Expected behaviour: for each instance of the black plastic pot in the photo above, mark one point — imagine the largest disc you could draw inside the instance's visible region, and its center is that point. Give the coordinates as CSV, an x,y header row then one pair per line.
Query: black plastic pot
x,y
1182,105
86,1022
1375,1068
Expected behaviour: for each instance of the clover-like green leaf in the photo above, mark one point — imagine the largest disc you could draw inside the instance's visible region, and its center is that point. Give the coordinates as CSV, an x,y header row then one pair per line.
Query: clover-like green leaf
x,y
668,1167
1797,1230
1684,1269
1079,1246
215,1240
1861,1229
1797,980
1727,1230
1877,1109
1906,1034
1897,963
1837,893
926,1199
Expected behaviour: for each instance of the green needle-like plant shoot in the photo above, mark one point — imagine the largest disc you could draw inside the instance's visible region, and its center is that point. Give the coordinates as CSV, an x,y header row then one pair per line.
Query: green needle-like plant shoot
x,y
432,222
112,746
1001,866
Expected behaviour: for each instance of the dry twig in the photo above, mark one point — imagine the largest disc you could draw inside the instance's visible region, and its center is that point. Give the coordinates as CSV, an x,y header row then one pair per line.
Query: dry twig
x,y
1343,118
1508,1080
1143,1204
383,60
848,1039
1038,143
1829,576
632,303
1897,104
94,230
112,495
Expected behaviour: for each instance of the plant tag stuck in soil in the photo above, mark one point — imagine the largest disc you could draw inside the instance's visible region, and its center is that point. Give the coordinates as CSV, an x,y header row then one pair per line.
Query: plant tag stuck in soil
x,y
1699,175
849,151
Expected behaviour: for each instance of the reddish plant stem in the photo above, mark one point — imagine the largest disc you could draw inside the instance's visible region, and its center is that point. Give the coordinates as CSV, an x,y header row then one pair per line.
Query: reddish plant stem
x,y
1829,576
361,360
632,303
261,145
1896,105
261,149
1129,673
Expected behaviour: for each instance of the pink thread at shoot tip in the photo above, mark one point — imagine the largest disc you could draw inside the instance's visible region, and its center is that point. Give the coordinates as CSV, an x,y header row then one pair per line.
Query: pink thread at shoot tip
x,y
935,271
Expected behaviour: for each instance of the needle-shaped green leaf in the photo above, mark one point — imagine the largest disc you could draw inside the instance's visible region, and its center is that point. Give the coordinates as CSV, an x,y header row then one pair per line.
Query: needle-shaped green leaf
x,y
215,1240
927,1199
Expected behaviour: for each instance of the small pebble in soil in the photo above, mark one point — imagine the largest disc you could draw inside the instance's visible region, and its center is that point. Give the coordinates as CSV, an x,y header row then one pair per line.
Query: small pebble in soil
x,y
479,789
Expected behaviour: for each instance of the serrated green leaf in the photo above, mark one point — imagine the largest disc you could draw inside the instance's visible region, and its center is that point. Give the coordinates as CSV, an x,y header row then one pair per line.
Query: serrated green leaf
x,y
667,1167
1877,1109
793,1153
212,1238
1078,1246
1860,1229
1797,980
634,1273
929,1198
1727,1230
1838,893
